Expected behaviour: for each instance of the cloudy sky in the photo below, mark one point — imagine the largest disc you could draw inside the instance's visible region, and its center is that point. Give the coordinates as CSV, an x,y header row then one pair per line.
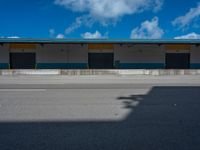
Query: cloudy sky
x,y
124,19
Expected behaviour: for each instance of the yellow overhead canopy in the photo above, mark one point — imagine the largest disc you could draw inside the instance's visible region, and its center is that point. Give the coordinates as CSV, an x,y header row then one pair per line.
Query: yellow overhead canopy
x,y
22,46
100,46
178,47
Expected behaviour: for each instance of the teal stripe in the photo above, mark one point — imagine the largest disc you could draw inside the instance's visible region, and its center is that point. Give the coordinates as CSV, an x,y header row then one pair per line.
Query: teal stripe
x,y
87,41
195,66
4,66
61,66
141,66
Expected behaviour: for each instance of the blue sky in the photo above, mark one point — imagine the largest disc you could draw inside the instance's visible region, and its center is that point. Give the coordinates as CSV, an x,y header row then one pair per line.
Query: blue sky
x,y
147,19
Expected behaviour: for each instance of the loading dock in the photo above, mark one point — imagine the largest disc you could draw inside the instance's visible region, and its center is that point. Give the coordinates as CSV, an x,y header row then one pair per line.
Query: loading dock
x,y
177,60
22,60
177,56
101,60
99,54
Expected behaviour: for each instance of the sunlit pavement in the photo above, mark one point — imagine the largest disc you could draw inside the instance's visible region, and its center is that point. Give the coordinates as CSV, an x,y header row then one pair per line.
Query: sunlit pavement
x,y
100,112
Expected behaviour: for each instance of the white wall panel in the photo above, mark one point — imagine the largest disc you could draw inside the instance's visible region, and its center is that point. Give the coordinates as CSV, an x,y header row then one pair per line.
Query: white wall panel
x,y
61,53
140,53
4,53
195,54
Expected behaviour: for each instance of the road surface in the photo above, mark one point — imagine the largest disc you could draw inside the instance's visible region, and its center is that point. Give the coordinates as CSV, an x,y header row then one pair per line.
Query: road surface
x,y
100,113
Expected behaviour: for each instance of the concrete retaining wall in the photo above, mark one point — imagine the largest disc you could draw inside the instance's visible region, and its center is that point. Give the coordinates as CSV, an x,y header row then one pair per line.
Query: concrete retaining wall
x,y
100,72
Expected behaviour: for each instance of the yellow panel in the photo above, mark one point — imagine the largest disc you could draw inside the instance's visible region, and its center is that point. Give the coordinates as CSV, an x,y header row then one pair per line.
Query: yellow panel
x,y
100,50
175,47
22,46
100,46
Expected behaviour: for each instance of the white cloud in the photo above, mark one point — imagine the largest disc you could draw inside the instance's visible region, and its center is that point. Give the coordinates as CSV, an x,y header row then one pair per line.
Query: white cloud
x,y
109,8
148,29
158,5
183,21
11,37
74,26
60,36
83,20
106,11
189,36
51,32
95,35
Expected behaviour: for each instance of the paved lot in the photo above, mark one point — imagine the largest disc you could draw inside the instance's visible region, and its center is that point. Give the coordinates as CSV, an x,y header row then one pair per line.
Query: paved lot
x,y
100,112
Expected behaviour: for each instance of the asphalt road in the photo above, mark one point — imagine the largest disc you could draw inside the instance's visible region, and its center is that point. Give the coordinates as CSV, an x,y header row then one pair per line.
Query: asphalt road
x,y
100,113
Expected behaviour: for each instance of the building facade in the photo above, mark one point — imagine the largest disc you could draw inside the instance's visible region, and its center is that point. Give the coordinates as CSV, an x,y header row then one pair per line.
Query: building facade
x,y
99,54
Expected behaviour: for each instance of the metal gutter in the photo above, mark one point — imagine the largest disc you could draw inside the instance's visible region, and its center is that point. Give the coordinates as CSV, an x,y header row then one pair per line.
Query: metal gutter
x,y
89,41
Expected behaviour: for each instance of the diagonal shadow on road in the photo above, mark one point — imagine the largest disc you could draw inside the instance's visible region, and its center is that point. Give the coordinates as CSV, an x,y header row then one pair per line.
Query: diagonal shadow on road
x,y
167,118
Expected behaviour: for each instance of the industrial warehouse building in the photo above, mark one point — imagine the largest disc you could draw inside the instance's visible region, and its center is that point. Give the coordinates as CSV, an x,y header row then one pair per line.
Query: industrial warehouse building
x,y
99,54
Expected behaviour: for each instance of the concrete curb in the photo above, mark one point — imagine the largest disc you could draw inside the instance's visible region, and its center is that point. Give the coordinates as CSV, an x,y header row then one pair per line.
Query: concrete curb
x,y
100,72
30,72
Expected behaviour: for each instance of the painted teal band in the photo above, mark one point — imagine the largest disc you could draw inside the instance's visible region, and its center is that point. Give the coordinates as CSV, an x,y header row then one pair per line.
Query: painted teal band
x,y
141,66
88,41
195,66
4,66
61,66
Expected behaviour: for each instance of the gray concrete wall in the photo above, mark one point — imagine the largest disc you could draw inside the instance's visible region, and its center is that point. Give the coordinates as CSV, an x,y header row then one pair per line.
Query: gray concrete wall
x,y
4,56
195,57
62,56
148,56
51,54
62,53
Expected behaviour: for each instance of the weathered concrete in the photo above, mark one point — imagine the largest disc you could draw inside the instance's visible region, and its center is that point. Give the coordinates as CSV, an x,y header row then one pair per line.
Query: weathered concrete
x,y
100,72
30,72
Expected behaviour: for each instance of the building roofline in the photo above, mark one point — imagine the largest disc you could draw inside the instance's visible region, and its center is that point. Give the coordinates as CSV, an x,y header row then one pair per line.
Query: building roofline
x,y
113,41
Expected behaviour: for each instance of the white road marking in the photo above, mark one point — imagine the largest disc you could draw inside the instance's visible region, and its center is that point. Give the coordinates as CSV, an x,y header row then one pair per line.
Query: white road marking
x,y
22,90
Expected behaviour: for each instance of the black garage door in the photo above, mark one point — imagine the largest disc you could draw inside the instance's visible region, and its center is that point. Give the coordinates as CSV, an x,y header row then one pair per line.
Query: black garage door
x,y
177,60
22,60
101,60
